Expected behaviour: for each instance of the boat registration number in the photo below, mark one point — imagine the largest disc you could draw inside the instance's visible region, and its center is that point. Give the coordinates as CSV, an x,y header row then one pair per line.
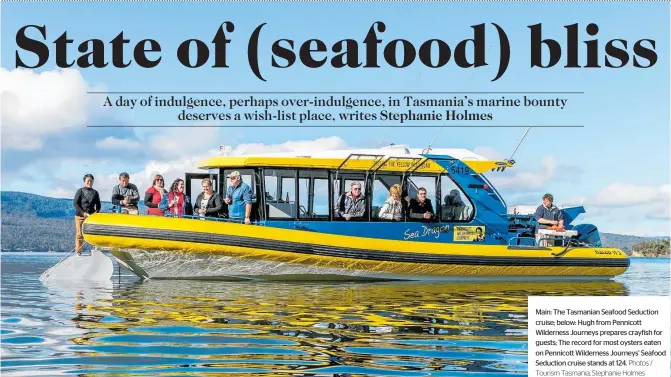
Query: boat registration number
x,y
463,170
608,252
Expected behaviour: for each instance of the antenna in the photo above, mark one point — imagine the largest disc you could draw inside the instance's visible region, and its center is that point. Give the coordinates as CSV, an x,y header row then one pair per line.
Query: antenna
x,y
441,127
387,128
520,143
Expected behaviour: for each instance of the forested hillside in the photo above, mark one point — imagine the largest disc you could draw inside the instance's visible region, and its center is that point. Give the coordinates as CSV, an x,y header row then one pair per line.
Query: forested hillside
x,y
39,223
653,248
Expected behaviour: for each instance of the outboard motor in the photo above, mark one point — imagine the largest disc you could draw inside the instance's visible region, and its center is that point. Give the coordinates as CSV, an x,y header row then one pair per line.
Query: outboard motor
x,y
588,234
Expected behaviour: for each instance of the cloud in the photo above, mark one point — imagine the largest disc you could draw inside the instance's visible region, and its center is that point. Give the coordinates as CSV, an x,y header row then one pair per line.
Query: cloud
x,y
524,180
113,143
35,105
665,214
527,179
170,143
489,153
66,182
619,194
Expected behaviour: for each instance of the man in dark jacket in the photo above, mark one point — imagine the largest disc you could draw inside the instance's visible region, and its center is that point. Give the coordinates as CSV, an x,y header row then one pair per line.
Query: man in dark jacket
x,y
547,214
86,202
421,208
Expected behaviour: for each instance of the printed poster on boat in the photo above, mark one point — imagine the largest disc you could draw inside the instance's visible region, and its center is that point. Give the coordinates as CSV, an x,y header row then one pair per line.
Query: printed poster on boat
x,y
469,233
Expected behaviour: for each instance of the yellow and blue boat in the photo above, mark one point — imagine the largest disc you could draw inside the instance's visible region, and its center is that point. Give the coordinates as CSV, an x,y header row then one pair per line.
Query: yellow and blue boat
x,y
297,235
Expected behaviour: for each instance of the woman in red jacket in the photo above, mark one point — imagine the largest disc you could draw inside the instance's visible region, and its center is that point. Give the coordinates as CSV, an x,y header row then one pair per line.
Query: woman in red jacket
x,y
178,203
153,196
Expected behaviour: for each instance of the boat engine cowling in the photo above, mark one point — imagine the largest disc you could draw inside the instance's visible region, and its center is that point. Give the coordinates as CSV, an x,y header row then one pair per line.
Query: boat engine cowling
x,y
588,234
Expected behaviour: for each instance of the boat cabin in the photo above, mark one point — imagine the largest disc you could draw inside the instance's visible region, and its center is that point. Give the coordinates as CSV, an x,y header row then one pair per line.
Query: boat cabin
x,y
301,191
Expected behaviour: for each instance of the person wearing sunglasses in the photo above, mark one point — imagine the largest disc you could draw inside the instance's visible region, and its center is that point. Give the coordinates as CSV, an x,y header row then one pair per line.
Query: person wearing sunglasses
x,y
352,204
154,195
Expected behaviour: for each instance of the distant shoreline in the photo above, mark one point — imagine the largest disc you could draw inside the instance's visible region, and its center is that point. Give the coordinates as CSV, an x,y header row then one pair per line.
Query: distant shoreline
x,y
33,222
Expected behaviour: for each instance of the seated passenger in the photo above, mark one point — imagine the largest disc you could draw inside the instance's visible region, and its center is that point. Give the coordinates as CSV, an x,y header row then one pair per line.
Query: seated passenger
x,y
547,214
126,195
393,207
454,208
352,204
208,203
421,208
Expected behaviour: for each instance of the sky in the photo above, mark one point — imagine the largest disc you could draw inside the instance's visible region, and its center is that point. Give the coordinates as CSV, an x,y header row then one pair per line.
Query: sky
x,y
617,165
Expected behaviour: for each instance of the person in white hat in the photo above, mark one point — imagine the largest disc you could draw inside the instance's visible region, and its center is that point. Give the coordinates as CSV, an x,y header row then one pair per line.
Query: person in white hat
x,y
238,198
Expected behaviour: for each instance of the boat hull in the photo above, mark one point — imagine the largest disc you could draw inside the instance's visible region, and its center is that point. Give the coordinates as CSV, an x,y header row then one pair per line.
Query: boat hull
x,y
155,247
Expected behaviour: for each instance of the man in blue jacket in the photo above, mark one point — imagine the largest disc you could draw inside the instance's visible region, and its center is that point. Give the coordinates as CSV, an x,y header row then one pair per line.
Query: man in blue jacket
x,y
239,198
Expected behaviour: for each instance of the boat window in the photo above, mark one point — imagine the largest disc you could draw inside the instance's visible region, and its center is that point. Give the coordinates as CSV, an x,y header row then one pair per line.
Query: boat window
x,y
414,183
342,186
313,195
280,191
456,206
381,186
192,185
214,177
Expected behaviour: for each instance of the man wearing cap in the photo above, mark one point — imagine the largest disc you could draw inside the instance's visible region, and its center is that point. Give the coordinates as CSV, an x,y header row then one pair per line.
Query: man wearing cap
x,y
239,198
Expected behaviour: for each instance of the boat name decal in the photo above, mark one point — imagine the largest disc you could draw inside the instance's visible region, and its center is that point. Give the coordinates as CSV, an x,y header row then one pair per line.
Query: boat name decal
x,y
405,164
434,231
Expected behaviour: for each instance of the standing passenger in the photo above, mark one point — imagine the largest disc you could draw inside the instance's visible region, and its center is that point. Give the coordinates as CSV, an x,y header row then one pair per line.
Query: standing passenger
x,y
154,195
208,203
86,202
178,202
239,197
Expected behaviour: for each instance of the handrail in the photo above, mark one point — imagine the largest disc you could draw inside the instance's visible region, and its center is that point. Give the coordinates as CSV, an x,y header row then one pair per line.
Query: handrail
x,y
196,217
533,240
379,156
223,219
375,165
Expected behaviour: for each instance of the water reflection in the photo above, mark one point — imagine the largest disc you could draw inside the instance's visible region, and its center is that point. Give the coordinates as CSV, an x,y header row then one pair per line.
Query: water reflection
x,y
321,328
246,328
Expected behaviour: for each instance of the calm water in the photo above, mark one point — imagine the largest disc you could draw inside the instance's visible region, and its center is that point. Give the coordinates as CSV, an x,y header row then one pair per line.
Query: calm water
x,y
183,328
